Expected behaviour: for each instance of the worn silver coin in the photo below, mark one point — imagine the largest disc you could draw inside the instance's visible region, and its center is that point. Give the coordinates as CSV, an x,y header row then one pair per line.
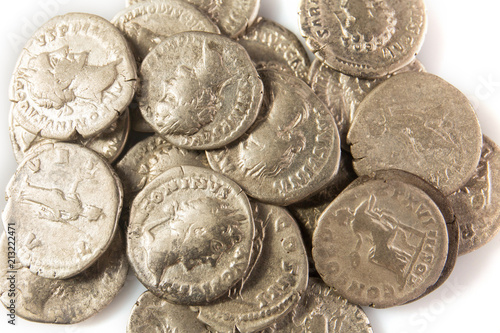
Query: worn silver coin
x,y
76,75
419,123
363,38
276,283
381,243
199,90
64,201
190,235
109,143
321,310
272,46
154,314
293,149
66,301
232,16
477,204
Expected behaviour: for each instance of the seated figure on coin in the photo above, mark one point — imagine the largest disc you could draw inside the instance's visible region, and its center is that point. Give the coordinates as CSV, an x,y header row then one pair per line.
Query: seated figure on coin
x,y
366,24
192,233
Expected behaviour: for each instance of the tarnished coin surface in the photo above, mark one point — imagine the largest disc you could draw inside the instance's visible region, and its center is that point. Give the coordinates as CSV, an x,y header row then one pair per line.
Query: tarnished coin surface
x,y
364,38
199,90
232,16
419,123
146,24
109,143
276,283
66,301
272,46
190,235
75,75
382,243
293,149
154,314
477,203
64,201
321,310
343,93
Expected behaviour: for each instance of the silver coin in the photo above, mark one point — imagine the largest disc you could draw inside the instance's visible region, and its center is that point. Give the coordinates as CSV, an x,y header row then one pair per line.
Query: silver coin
x,y
154,314
270,45
75,75
232,16
293,149
476,204
109,143
321,310
146,24
66,301
190,235
199,90
419,123
364,38
64,201
342,93
382,243
276,284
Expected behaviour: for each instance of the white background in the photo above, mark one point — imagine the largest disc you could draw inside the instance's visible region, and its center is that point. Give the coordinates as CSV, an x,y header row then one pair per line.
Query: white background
x,y
462,46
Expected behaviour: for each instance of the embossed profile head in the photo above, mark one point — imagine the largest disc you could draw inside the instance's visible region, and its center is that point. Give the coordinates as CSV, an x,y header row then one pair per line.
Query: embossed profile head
x,y
192,233
366,24
274,143
192,98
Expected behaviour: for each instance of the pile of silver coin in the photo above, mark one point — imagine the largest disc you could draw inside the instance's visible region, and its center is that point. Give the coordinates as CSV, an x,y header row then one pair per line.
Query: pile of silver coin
x,y
249,189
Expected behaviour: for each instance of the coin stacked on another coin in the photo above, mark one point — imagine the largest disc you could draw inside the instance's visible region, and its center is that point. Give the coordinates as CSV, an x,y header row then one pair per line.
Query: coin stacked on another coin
x,y
248,174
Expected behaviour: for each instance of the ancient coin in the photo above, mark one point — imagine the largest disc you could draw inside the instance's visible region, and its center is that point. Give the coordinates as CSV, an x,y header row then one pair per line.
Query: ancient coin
x,y
276,283
321,310
66,301
342,93
382,243
419,123
232,16
64,201
75,75
151,157
190,235
364,38
272,46
154,314
293,149
146,24
477,203
199,90
109,143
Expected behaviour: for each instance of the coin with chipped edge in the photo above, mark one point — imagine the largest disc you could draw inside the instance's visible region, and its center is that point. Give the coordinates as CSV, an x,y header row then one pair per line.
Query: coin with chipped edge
x,y
363,38
199,90
154,314
293,149
276,283
270,45
64,201
75,75
477,203
419,123
321,310
342,93
109,143
190,235
382,243
232,16
66,301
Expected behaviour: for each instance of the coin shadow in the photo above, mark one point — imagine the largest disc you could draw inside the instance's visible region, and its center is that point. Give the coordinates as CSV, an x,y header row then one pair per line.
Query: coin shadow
x,y
431,53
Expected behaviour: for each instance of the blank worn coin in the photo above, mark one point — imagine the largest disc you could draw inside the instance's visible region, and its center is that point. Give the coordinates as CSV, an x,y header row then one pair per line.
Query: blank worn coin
x,y
419,123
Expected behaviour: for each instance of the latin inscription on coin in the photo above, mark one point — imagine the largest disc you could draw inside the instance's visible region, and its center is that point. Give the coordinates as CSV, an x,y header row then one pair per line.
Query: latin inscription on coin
x,y
75,75
190,235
